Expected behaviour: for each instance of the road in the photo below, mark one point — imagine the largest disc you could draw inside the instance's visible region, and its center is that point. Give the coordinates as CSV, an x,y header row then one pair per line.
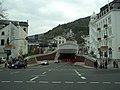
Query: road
x,y
59,76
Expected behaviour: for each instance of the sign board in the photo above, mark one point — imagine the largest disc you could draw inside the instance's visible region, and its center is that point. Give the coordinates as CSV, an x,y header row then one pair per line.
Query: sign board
x,y
8,46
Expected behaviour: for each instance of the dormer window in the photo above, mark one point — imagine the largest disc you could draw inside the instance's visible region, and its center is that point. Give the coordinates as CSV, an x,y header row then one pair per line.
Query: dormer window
x,y
24,29
3,33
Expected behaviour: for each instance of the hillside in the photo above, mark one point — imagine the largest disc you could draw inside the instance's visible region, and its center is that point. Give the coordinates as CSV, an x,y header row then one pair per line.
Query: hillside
x,y
79,28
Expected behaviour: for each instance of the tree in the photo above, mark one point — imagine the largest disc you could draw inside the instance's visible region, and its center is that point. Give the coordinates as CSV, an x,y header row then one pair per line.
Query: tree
x,y
2,11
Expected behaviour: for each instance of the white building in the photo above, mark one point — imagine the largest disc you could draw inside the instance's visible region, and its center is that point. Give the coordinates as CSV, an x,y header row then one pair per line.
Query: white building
x,y
15,32
104,30
60,40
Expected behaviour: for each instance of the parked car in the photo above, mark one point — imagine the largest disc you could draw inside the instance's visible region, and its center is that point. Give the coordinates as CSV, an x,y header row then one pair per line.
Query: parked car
x,y
18,64
44,62
2,59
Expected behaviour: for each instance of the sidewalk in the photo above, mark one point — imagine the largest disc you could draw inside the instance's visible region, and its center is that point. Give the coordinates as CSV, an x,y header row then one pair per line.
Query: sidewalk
x,y
82,64
110,66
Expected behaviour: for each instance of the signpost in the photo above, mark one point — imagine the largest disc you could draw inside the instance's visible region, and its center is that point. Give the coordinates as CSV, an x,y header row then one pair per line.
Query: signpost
x,y
7,50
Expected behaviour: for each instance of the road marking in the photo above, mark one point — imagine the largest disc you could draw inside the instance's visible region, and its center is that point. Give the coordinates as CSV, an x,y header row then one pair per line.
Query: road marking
x,y
49,70
81,82
117,82
94,82
80,75
69,82
31,81
83,77
44,73
18,81
34,78
5,81
14,72
106,82
56,82
43,82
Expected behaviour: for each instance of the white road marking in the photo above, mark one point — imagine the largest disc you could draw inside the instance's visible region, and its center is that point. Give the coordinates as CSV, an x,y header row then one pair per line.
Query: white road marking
x,y
80,75
117,82
5,81
44,73
18,81
106,82
94,82
34,78
83,77
69,82
81,82
14,72
31,81
49,70
43,81
56,82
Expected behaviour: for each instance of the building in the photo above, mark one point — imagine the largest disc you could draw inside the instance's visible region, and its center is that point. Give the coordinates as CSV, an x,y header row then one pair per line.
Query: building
x,y
13,38
60,40
104,31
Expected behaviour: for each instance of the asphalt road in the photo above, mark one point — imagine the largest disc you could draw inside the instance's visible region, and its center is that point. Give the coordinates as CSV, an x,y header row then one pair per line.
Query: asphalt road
x,y
59,76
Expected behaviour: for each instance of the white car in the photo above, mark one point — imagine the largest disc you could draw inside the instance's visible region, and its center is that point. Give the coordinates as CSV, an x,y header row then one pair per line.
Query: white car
x,y
2,59
44,62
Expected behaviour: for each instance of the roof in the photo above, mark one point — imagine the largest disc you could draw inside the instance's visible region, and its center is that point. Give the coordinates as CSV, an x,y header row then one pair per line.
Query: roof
x,y
6,22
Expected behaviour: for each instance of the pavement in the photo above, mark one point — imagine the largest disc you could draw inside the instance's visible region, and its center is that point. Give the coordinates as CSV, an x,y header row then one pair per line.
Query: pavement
x,y
110,65
82,64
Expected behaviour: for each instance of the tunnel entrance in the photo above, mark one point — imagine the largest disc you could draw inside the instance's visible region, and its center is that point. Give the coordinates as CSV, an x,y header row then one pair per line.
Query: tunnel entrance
x,y
67,57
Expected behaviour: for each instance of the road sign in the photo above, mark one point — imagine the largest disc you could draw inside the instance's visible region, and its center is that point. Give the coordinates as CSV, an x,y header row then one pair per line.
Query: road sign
x,y
8,46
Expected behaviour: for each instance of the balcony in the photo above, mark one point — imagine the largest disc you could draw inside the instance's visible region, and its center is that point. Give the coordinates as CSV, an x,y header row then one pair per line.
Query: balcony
x,y
105,25
98,29
98,39
105,36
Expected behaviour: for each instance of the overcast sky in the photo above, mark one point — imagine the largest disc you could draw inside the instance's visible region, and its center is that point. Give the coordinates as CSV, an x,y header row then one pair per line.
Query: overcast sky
x,y
43,15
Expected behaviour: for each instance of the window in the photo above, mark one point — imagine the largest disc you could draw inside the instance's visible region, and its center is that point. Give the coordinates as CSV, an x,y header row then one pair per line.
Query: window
x,y
3,33
2,41
59,42
59,37
24,29
109,19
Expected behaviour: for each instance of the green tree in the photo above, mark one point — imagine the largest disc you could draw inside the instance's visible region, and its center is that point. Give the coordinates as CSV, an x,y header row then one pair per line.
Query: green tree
x,y
3,13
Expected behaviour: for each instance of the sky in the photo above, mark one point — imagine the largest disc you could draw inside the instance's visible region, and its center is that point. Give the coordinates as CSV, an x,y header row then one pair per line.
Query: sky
x,y
43,15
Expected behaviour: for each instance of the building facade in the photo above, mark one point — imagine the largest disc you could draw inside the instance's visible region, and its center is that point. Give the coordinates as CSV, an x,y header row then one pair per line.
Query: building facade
x,y
13,37
104,31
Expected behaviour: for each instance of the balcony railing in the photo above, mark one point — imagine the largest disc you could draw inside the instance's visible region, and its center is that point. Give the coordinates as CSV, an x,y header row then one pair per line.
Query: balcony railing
x,y
105,36
98,29
105,25
98,39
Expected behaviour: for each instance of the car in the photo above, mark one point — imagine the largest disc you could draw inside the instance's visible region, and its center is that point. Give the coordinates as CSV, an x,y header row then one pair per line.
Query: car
x,y
18,64
44,62
2,59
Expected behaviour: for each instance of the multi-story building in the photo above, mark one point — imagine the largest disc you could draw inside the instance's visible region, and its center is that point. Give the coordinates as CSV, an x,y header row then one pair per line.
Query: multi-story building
x,y
60,40
104,31
13,37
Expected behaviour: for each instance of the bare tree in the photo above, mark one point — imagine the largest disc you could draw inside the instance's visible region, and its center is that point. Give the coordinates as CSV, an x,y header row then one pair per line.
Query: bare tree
x,y
3,13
